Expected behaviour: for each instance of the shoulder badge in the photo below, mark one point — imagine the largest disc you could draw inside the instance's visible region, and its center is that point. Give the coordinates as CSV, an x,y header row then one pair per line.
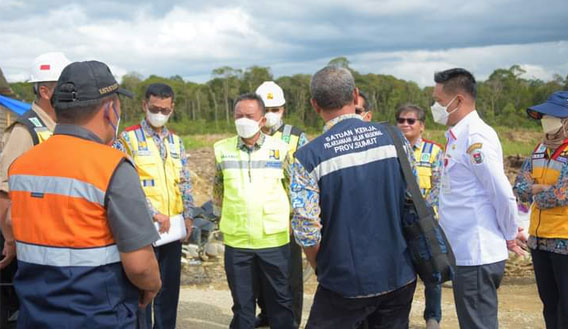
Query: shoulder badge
x,y
474,147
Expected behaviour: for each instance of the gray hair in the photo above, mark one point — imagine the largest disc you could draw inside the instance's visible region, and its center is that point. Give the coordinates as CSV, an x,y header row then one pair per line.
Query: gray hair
x,y
332,87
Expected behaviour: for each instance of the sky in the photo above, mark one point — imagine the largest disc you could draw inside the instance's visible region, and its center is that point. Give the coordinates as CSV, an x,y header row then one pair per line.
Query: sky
x,y
410,39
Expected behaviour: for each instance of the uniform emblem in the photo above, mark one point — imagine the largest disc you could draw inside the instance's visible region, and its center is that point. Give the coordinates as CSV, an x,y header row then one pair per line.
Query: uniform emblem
x,y
425,157
274,154
562,159
477,156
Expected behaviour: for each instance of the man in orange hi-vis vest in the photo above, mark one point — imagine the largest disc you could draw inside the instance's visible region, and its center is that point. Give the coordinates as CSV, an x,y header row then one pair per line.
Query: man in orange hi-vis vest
x,y
82,228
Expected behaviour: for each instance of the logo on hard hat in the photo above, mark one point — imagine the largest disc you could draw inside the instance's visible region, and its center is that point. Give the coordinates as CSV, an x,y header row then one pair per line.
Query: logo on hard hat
x,y
45,67
270,96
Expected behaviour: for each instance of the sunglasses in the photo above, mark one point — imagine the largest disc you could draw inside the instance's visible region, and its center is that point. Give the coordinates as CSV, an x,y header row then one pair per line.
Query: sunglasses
x,y
535,115
410,121
164,111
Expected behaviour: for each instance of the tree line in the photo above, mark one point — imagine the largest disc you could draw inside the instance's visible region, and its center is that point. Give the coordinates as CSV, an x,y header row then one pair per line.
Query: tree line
x,y
207,107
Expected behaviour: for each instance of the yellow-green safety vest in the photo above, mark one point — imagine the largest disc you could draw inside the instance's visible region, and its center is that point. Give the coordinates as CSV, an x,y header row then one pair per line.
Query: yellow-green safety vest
x,y
291,136
255,209
546,169
159,179
425,155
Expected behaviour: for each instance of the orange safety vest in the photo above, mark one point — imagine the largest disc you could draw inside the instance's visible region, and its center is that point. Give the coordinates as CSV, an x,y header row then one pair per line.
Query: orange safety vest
x,y
546,169
69,269
58,190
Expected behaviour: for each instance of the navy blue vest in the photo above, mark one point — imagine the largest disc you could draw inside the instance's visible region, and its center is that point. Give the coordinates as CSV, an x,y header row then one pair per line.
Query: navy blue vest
x,y
363,251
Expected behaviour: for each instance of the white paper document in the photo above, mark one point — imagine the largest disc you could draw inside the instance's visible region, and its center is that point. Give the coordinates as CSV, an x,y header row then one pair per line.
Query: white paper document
x,y
177,231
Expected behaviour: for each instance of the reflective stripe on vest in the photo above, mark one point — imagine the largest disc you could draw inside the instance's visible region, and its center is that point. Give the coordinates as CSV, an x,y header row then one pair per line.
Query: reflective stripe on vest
x,y
285,134
39,185
255,209
63,257
353,159
425,155
159,179
546,169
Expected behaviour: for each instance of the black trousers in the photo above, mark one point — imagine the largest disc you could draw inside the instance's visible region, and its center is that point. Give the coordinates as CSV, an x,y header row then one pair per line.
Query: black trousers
x,y
166,302
551,272
246,270
475,295
389,311
296,283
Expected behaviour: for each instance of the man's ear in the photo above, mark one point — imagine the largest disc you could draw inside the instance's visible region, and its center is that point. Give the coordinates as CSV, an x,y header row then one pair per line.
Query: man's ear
x,y
144,104
315,106
262,121
45,92
356,96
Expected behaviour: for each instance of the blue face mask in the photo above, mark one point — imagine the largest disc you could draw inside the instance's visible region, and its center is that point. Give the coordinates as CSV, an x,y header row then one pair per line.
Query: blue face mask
x,y
107,116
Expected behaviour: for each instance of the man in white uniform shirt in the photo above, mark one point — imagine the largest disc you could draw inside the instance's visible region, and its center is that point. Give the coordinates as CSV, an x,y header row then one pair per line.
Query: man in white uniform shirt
x,y
477,207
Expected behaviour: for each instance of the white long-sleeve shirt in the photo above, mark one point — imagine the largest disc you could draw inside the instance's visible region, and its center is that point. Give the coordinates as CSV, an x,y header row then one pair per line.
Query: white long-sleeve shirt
x,y
477,207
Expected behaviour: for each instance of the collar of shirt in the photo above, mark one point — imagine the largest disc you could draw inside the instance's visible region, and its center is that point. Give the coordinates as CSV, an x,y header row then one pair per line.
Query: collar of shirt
x,y
257,145
418,144
76,131
163,133
455,131
273,130
50,124
338,119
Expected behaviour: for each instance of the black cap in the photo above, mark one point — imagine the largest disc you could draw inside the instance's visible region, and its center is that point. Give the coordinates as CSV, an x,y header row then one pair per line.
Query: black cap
x,y
83,83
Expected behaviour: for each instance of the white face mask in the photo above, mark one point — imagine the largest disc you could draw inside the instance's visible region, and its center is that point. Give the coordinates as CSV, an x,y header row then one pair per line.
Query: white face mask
x,y
246,128
272,119
157,120
440,113
550,124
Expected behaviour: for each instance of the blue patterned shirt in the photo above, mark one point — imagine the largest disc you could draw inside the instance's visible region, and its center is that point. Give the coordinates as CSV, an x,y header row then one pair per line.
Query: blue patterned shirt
x,y
557,196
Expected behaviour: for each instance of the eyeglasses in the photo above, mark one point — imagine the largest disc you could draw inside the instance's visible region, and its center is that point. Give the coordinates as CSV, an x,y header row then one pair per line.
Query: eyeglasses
x,y
410,121
164,111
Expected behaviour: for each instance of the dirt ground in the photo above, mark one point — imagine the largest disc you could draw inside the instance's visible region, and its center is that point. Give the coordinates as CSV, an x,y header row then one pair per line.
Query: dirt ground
x,y
205,300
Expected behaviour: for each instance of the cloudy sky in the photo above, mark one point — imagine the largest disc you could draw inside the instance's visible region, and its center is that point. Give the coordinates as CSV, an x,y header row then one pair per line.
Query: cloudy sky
x,y
409,39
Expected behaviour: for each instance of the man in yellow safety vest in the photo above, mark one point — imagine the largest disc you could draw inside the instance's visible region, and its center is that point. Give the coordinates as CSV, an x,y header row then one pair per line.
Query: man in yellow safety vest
x,y
255,217
159,156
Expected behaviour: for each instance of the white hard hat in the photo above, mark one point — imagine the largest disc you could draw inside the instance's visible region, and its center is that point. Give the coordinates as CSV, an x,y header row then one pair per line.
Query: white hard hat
x,y
48,67
271,94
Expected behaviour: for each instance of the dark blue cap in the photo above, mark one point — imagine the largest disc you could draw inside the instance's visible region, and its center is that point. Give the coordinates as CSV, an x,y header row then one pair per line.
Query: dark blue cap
x,y
556,105
83,83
